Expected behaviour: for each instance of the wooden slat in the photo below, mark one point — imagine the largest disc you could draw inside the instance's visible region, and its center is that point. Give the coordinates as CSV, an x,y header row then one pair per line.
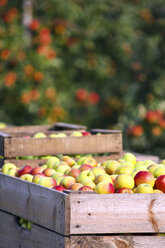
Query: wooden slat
x,y
71,145
119,241
32,128
14,236
67,126
117,213
36,203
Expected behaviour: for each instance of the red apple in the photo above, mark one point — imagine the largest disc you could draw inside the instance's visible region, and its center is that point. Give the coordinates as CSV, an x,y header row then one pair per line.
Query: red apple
x,y
70,161
58,188
37,177
86,188
75,186
48,172
47,182
24,170
160,183
144,177
105,187
85,167
36,170
74,173
85,133
124,191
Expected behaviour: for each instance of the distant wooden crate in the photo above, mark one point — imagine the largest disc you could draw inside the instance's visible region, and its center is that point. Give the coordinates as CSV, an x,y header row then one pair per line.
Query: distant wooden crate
x,y
78,219
16,145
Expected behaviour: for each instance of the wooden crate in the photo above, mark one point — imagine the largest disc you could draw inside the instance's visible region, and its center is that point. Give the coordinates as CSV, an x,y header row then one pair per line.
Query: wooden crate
x,y
78,219
15,144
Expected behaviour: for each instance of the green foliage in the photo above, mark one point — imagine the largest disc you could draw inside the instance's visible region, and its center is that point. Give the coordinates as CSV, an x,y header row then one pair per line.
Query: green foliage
x,y
97,63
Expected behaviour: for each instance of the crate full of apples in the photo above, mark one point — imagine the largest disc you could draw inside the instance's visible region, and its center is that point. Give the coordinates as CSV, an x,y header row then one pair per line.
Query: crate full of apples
x,y
87,202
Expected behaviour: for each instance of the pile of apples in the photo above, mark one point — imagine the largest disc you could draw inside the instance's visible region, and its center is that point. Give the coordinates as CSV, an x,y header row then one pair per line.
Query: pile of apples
x,y
126,175
61,134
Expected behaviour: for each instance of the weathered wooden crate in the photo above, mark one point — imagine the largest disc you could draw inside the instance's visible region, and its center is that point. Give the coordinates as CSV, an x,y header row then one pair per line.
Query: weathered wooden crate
x,y
15,144
78,219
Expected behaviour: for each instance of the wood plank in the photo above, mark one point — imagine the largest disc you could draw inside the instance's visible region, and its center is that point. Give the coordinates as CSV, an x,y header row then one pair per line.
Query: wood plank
x,y
71,145
119,241
67,126
2,137
14,236
32,128
117,213
43,206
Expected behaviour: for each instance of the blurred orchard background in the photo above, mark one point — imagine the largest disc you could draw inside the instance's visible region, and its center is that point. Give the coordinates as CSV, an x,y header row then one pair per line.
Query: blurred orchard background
x,y
98,62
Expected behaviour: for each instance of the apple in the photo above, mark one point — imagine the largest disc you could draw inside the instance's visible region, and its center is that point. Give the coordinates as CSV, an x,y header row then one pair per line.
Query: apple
x,y
76,166
37,177
144,188
135,171
88,182
44,166
58,179
124,181
90,160
144,177
76,134
13,172
113,177
85,188
2,125
57,174
75,186
160,170
98,171
67,181
74,173
48,172
47,182
160,183
110,166
141,167
24,170
70,161
85,167
124,169
52,161
85,133
129,157
124,191
59,188
157,191
62,168
58,135
36,170
39,135
104,177
67,171
6,167
104,187
139,163
152,167
87,174
162,162
80,161
148,162
27,177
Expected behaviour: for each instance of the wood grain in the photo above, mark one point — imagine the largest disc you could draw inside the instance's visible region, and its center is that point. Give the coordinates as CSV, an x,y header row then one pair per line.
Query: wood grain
x,y
14,147
117,213
14,236
36,203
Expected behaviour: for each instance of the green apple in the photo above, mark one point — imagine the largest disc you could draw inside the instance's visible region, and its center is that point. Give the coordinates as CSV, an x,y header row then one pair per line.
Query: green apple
x,y
2,125
58,179
80,161
129,157
57,174
27,177
89,183
152,167
87,174
47,182
124,169
144,188
160,170
124,181
128,163
148,162
110,166
39,135
13,172
104,177
76,134
62,168
37,177
52,161
76,166
6,167
98,171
